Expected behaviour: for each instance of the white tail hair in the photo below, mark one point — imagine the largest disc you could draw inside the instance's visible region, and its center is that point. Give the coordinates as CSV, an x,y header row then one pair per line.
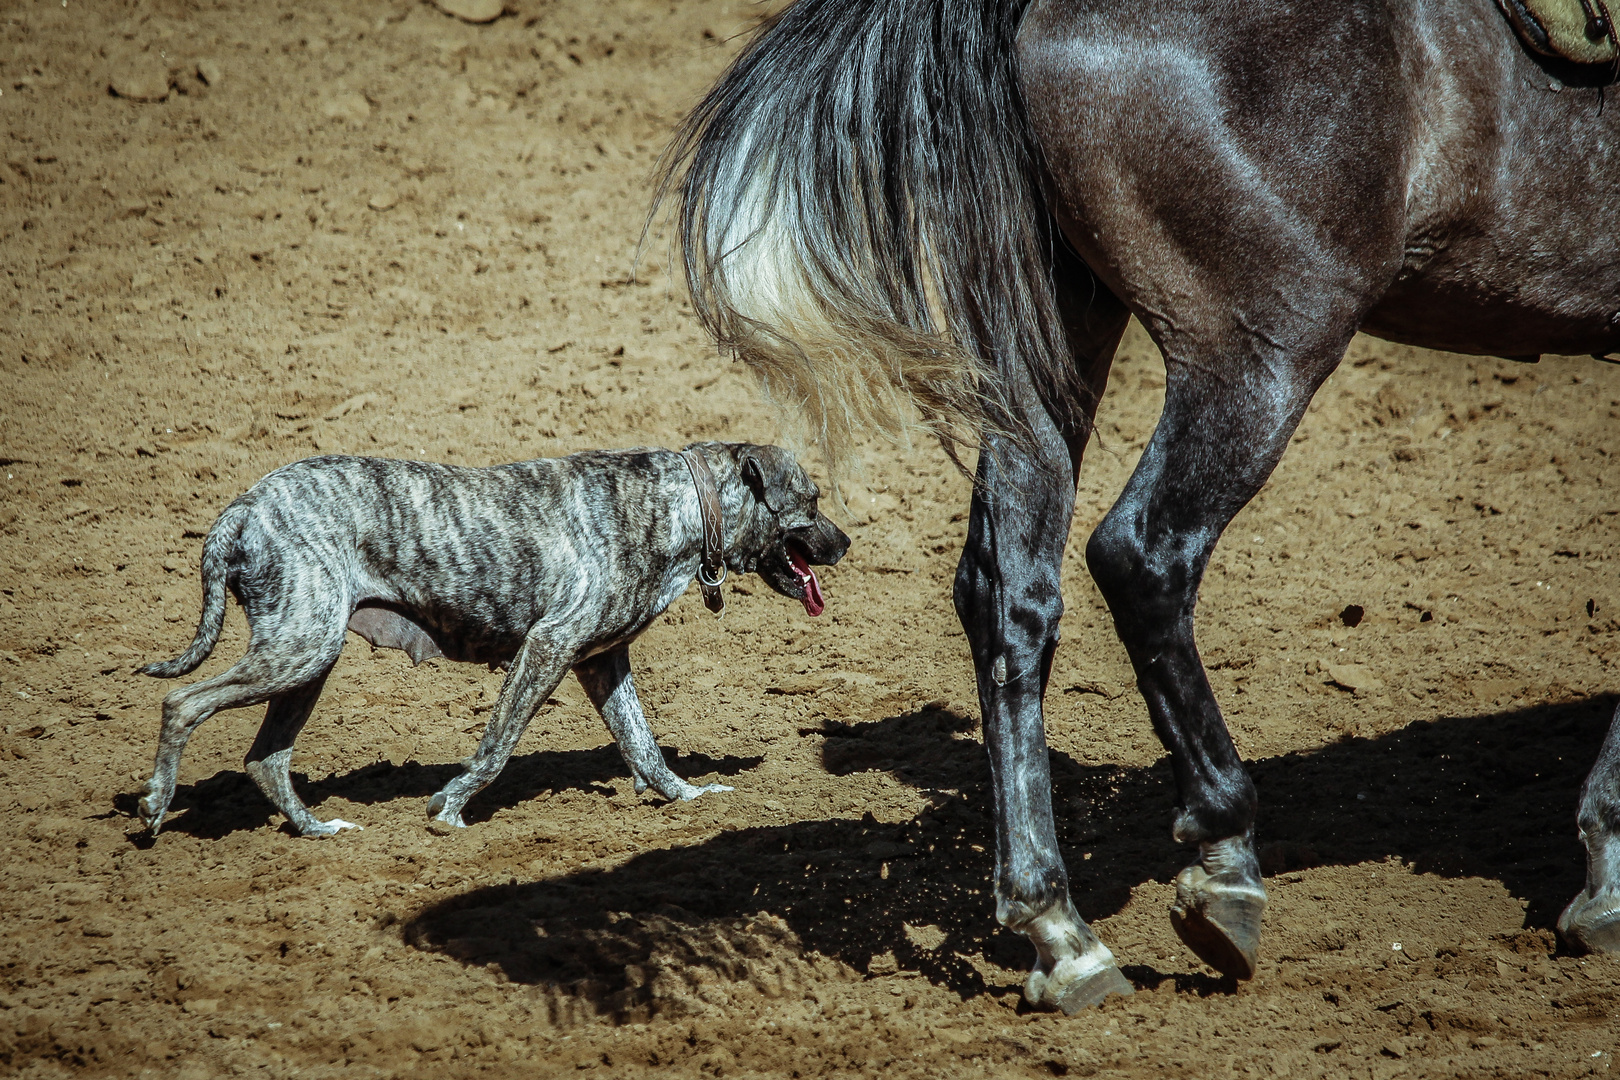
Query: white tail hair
x,y
861,221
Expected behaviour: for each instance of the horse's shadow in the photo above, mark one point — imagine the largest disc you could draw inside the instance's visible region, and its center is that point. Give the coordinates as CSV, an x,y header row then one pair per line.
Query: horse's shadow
x,y
1491,796
229,802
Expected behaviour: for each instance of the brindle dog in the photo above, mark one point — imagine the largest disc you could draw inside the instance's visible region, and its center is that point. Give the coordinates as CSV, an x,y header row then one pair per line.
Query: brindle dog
x,y
541,567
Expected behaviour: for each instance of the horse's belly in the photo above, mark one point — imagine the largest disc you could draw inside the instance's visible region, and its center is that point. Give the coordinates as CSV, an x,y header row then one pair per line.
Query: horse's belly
x,y
1497,310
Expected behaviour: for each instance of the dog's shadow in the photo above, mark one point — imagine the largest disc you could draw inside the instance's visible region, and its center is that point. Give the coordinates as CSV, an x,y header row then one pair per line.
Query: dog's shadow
x,y
229,801
1480,796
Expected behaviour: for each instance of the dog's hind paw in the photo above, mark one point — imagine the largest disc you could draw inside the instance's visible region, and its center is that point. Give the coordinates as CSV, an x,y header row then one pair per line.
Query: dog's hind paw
x,y
442,819
330,828
152,808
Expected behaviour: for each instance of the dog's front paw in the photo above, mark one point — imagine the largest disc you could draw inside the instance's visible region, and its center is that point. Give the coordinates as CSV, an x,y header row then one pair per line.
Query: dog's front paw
x,y
691,791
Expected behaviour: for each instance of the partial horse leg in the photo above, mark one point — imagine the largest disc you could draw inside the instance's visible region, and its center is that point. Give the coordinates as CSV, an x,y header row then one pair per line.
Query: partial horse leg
x,y
1203,218
540,664
269,760
1591,922
607,680
1009,598
1223,429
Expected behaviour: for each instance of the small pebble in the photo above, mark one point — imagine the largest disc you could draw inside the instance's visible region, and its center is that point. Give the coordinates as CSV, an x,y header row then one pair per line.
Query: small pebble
x,y
139,78
354,404
210,72
347,105
473,11
383,200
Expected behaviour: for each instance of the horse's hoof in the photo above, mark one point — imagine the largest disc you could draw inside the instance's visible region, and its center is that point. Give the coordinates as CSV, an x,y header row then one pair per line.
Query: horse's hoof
x,y
1218,917
1073,970
1592,923
1044,991
1092,990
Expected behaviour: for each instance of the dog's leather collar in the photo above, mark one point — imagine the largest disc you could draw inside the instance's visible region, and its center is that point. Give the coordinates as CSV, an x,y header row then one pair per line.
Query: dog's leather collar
x,y
712,563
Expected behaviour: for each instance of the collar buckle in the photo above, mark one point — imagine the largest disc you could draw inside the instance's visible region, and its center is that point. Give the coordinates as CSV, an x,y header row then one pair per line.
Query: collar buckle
x,y
712,563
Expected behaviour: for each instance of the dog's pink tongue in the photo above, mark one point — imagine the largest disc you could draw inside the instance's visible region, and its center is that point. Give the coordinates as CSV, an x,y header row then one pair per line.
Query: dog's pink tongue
x,y
813,603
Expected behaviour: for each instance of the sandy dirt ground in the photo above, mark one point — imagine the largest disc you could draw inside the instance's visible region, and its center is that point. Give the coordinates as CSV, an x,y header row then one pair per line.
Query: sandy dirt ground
x,y
373,228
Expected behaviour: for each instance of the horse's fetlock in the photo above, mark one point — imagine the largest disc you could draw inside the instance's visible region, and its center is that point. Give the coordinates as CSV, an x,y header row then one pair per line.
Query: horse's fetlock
x,y
1598,815
1015,915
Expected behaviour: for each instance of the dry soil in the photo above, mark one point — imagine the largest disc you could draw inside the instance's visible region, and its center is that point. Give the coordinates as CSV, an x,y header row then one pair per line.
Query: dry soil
x,y
374,228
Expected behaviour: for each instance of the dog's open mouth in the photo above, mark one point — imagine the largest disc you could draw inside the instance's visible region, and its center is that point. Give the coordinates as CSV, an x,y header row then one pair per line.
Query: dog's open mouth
x,y
813,604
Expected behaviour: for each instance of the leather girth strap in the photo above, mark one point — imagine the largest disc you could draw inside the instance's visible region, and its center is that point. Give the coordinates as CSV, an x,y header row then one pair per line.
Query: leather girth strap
x,y
712,563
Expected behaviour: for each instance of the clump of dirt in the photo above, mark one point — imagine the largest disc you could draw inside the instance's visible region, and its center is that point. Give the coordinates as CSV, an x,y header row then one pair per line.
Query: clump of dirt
x,y
239,237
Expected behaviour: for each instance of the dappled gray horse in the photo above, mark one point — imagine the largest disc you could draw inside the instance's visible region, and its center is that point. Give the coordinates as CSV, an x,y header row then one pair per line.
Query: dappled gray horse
x,y
959,203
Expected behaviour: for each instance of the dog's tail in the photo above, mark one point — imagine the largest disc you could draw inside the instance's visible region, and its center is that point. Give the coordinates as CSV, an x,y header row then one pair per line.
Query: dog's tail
x,y
860,211
217,551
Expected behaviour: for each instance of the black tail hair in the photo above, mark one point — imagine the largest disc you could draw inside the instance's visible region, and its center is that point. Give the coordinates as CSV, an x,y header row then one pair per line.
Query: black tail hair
x,y
862,222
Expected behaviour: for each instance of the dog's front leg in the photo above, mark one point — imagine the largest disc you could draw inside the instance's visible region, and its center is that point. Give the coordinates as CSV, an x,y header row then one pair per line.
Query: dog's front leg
x,y
538,667
606,679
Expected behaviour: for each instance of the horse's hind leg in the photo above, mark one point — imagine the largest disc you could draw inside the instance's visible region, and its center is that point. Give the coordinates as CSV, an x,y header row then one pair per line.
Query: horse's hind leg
x,y
1592,920
1008,596
1009,600
1251,261
269,760
1226,422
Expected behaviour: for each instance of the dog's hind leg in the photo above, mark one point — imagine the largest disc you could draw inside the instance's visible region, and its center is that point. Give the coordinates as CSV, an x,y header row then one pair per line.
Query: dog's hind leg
x,y
258,676
183,711
297,625
538,667
607,681
270,757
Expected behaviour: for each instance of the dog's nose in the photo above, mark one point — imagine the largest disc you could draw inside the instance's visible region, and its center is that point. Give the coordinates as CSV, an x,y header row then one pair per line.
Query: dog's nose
x,y
835,543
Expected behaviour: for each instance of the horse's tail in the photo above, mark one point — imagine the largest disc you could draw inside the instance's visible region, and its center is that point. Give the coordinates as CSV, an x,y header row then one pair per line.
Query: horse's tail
x,y
860,211
217,551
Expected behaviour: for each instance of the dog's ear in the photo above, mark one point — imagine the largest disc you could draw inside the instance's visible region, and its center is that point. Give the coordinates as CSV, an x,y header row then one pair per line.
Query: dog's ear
x,y
754,476
764,477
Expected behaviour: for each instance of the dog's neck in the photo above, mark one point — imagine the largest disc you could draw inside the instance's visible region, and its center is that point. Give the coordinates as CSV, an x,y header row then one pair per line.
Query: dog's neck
x,y
711,573
740,517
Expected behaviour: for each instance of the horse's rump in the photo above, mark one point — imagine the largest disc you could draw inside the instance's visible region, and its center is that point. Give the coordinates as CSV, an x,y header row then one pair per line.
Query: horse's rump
x,y
862,222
